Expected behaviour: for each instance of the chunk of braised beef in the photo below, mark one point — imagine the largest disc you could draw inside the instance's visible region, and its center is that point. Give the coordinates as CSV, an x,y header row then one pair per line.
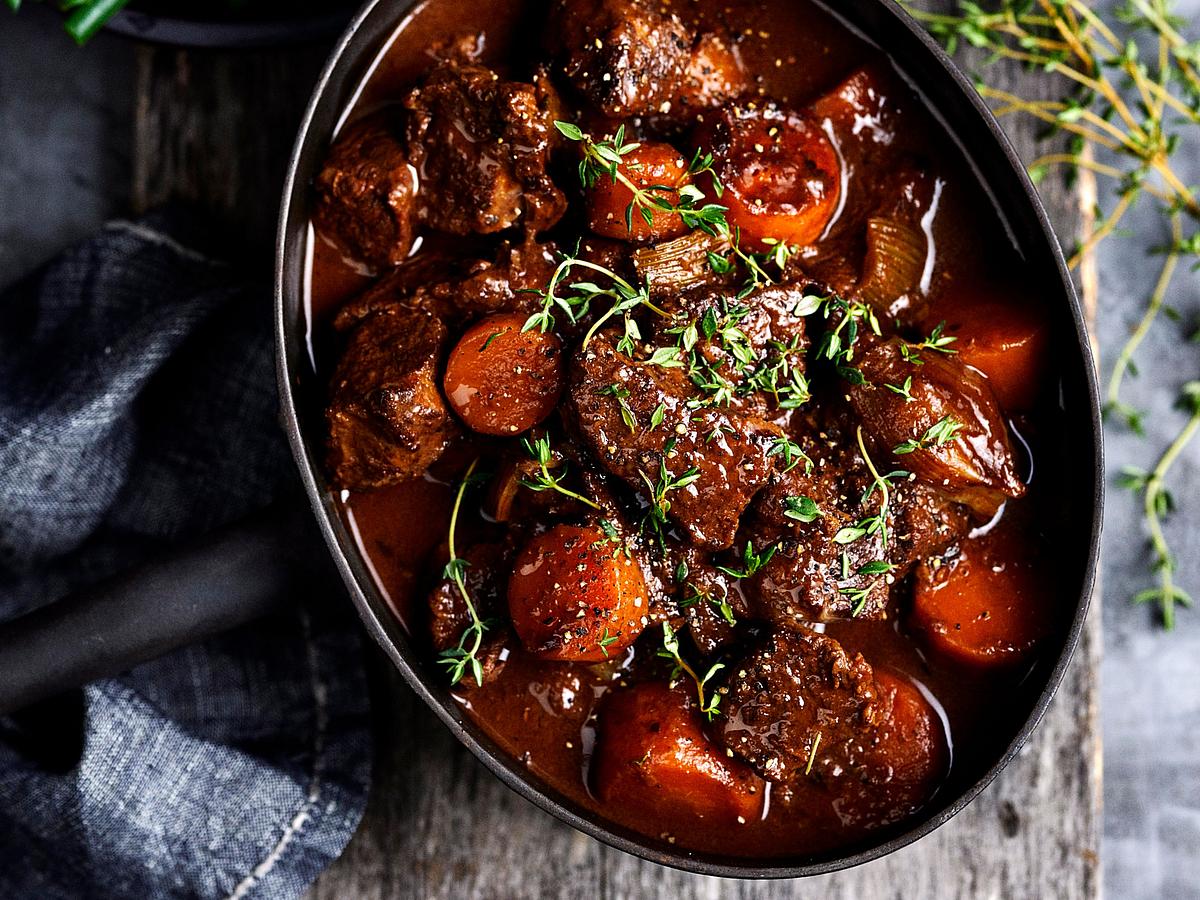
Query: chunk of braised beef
x,y
501,284
387,419
824,566
637,420
480,147
636,58
754,346
812,576
366,193
884,780
400,289
841,742
458,291
485,577
712,603
956,437
798,688
863,114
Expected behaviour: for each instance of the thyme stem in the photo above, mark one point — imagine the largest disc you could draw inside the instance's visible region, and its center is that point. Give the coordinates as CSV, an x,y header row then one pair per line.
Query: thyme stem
x,y
459,658
1125,357
1168,594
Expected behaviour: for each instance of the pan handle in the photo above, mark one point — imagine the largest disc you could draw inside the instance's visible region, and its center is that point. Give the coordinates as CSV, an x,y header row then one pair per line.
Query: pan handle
x,y
225,579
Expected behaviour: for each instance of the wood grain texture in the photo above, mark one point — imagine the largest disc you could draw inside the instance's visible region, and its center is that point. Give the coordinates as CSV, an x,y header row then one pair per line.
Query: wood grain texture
x,y
215,129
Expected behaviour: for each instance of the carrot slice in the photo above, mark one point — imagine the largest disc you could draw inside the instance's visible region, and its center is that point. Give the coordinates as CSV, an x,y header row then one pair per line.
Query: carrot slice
x,y
1007,343
574,595
659,170
988,606
652,757
780,173
912,744
501,380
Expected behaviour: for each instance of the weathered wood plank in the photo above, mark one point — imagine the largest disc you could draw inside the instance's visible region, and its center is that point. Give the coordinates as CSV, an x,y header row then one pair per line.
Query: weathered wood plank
x,y
215,129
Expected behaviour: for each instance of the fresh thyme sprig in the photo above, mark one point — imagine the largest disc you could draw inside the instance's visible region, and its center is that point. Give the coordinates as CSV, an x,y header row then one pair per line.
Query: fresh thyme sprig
x,y
1130,100
876,524
904,390
860,596
466,655
1157,505
792,454
751,561
612,538
545,480
606,640
1068,38
660,502
938,434
624,296
937,342
621,394
837,344
670,650
693,595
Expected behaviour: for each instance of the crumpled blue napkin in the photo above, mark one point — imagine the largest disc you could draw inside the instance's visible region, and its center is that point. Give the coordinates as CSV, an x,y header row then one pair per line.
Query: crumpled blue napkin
x,y
138,408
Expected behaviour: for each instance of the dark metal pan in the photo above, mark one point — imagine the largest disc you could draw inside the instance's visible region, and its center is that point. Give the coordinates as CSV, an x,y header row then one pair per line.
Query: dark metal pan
x,y
105,630
951,97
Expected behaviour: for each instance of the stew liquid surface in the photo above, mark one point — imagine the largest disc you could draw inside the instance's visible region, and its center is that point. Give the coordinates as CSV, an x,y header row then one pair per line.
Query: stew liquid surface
x,y
753,549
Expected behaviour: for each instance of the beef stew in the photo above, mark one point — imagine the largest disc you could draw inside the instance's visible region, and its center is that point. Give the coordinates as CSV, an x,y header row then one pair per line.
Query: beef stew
x,y
737,418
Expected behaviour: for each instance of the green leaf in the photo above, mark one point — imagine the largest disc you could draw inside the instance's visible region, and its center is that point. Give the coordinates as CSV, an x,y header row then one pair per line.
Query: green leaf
x,y
455,570
656,418
719,264
88,19
877,567
666,357
802,509
849,534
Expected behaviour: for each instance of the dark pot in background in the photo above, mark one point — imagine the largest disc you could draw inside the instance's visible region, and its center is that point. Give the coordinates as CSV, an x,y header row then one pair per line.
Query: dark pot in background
x,y
197,31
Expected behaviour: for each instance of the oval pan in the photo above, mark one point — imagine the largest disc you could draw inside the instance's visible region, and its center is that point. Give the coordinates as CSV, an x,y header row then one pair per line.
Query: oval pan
x,y
951,97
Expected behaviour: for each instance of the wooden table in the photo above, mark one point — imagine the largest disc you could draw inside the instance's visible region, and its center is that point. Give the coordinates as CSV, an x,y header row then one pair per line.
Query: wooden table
x,y
217,129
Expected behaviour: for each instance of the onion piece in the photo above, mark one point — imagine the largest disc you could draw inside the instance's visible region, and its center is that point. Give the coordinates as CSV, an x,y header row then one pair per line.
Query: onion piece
x,y
676,265
893,263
